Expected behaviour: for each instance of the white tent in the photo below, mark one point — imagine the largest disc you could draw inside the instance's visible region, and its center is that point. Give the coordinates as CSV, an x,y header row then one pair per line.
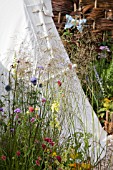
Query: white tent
x,y
27,28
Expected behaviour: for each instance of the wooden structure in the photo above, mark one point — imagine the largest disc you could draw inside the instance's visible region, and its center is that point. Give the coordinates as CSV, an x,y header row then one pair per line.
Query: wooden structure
x,y
108,124
60,9
99,13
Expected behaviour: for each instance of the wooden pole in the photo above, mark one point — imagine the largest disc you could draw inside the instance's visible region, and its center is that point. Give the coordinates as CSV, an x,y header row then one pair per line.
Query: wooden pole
x,y
59,17
75,7
80,5
107,119
95,4
112,122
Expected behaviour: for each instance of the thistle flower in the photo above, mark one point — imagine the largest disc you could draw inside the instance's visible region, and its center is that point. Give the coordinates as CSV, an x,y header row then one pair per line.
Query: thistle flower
x,y
33,80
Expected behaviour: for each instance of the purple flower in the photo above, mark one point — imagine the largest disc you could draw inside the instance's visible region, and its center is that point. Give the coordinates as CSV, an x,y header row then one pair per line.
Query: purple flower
x,y
17,110
12,129
32,119
1,109
104,48
41,67
43,100
33,80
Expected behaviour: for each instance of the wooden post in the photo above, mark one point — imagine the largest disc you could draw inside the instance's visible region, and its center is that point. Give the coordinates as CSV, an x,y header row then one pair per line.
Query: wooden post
x,y
79,5
107,119
59,17
75,7
112,121
95,4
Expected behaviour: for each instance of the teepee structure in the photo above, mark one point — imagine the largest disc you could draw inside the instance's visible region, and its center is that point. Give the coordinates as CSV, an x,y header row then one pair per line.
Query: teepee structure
x,y
27,29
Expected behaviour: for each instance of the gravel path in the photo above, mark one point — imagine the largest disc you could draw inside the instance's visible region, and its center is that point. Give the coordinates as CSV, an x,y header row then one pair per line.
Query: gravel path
x,y
107,162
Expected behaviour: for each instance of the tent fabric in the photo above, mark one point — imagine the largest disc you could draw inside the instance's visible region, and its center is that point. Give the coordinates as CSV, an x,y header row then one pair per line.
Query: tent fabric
x,y
28,30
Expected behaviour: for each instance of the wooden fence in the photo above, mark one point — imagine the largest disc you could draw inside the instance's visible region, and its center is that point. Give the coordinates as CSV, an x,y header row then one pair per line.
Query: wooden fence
x,y
99,13
109,122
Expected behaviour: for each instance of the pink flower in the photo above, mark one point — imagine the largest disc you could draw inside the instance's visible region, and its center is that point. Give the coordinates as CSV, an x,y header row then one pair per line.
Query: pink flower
x,y
43,100
58,158
59,82
32,119
3,157
31,109
37,162
18,153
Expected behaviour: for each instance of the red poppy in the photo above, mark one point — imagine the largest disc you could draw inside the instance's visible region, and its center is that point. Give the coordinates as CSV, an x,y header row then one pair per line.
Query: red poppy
x,y
31,109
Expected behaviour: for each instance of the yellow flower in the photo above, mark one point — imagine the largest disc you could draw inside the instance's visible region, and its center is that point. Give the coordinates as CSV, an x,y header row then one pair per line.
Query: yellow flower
x,y
55,106
106,105
73,155
37,108
106,100
28,112
73,165
54,154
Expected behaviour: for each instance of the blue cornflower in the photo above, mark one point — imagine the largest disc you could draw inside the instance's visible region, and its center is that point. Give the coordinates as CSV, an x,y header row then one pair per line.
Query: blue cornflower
x,y
33,80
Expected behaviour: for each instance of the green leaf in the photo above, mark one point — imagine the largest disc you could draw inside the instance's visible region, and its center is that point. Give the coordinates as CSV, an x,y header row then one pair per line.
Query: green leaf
x,y
101,110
